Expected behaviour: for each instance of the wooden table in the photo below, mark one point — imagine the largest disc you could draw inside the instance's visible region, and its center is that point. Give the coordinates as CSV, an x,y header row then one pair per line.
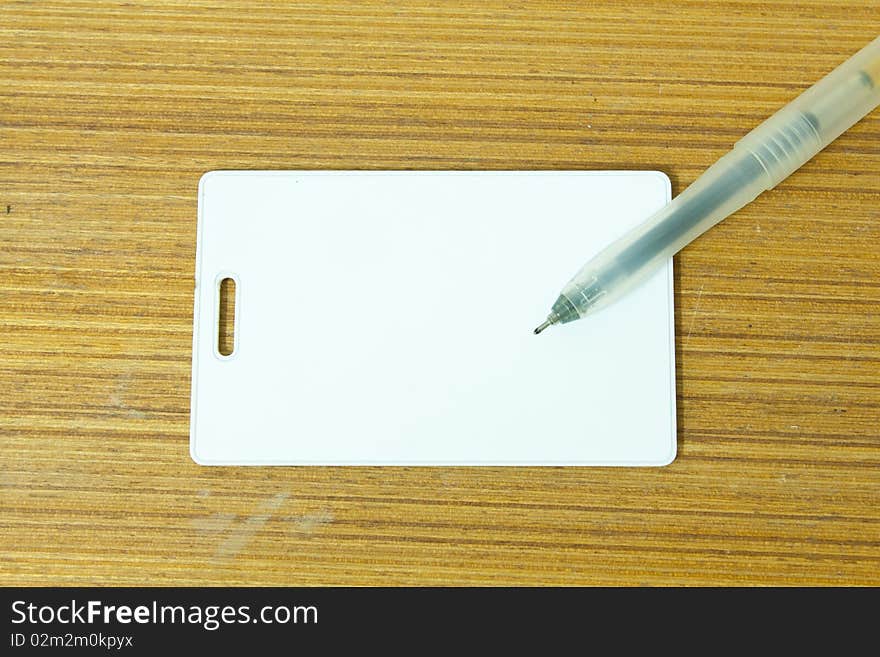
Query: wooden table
x,y
110,112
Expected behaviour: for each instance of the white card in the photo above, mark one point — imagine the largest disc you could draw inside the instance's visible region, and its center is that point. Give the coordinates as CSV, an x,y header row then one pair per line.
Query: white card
x,y
385,318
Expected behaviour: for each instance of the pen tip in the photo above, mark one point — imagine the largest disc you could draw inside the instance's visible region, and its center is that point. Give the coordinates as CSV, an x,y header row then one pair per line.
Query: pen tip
x,y
546,323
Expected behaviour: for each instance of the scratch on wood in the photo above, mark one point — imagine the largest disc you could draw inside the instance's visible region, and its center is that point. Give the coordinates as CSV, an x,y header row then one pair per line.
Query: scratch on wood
x,y
118,398
217,522
308,523
241,535
694,315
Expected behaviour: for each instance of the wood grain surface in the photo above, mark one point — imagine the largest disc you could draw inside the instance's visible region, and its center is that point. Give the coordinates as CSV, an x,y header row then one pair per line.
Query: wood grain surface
x,y
109,114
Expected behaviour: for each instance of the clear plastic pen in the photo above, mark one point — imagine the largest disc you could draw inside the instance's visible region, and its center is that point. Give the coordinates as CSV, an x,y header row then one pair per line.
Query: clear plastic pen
x,y
758,162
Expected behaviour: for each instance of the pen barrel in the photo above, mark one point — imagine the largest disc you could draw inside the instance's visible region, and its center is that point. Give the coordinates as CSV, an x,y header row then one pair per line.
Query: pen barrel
x,y
759,161
729,184
792,136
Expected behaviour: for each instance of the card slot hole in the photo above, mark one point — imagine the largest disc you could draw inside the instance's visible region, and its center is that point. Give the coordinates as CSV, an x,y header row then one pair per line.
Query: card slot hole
x,y
226,318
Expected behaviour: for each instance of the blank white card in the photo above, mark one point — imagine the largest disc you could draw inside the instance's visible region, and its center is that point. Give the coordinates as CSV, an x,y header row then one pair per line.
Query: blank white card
x,y
385,318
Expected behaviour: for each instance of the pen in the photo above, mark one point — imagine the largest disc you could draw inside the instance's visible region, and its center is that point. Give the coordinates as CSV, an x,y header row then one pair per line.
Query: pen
x,y
759,161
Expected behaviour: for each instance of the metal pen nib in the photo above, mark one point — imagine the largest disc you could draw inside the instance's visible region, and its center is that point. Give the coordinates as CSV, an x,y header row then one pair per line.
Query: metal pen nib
x,y
550,321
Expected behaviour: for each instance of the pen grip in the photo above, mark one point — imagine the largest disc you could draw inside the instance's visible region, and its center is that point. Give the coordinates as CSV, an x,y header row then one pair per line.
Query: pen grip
x,y
792,136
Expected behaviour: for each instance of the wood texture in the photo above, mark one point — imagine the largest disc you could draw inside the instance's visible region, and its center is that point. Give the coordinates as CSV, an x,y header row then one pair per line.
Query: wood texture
x,y
110,112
